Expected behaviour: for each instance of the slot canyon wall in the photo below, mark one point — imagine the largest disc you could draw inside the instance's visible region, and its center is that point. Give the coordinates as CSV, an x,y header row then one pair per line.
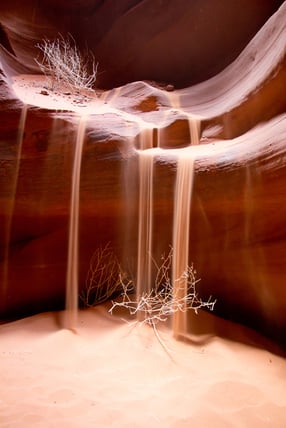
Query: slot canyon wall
x,y
160,62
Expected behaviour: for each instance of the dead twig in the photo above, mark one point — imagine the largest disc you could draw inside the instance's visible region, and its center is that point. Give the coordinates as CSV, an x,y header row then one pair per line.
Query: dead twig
x,y
65,66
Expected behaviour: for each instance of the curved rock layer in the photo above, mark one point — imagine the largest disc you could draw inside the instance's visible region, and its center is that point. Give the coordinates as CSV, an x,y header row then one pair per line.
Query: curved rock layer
x,y
238,233
179,43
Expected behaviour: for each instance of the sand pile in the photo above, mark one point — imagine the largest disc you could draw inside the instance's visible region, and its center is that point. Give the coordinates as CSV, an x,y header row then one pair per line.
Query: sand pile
x,y
111,374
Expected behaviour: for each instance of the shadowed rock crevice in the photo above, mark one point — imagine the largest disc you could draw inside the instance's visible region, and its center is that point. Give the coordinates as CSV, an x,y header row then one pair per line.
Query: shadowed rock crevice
x,y
179,43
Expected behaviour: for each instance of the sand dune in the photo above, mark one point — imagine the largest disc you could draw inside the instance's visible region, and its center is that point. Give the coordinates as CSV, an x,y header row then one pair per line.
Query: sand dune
x,y
110,374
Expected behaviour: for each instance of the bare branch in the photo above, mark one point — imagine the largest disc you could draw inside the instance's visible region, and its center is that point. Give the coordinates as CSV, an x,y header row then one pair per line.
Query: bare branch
x,y
161,302
63,64
105,278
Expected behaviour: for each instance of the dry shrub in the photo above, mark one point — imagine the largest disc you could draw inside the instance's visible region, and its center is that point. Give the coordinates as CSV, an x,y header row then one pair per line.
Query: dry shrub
x,y
65,66
166,298
105,278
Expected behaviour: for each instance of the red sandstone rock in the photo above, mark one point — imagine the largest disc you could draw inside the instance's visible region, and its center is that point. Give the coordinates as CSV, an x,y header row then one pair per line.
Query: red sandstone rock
x,y
179,43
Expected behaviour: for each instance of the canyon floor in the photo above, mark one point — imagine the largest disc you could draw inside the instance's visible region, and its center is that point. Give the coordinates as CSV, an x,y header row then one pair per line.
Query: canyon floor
x,y
110,373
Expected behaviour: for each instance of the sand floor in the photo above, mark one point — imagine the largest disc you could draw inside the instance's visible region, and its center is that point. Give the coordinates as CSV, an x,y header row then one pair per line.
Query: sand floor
x,y
111,374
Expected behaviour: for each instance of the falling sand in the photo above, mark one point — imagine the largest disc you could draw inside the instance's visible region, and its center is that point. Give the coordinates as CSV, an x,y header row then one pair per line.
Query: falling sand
x,y
72,264
181,226
12,199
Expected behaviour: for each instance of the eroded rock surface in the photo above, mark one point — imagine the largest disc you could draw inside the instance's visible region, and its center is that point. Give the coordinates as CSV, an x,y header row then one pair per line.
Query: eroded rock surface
x,y
178,43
